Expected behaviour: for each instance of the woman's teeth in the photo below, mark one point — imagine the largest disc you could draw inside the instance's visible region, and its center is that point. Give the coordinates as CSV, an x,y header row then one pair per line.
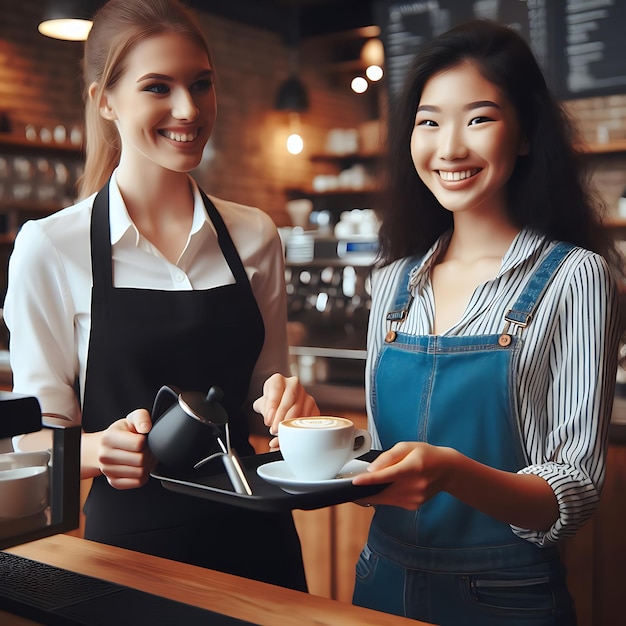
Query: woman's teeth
x,y
183,137
452,176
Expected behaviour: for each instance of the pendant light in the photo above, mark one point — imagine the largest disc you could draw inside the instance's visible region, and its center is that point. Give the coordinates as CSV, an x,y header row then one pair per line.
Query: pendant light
x,y
68,19
292,95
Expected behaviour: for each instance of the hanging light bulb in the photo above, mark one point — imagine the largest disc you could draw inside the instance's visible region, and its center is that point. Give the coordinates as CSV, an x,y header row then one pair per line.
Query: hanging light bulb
x,y
374,73
295,143
359,84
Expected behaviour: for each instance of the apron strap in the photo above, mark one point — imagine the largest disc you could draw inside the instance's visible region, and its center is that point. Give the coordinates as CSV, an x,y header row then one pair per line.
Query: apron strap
x,y
226,243
100,240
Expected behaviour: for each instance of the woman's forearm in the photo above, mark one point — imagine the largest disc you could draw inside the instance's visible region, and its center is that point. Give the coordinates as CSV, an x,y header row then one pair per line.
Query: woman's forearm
x,y
523,500
89,466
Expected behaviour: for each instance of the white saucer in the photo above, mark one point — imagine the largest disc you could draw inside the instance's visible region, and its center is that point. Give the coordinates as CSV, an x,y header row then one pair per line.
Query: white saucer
x,y
279,474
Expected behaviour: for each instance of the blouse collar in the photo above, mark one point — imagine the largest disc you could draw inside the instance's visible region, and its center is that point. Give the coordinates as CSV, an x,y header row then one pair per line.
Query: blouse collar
x,y
523,246
121,223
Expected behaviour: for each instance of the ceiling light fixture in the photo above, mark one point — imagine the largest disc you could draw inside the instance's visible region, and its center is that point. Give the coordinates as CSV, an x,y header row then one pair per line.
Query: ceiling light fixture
x,y
292,95
68,19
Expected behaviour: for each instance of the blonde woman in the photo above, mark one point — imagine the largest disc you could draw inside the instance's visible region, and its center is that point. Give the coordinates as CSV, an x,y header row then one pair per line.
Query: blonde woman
x,y
147,281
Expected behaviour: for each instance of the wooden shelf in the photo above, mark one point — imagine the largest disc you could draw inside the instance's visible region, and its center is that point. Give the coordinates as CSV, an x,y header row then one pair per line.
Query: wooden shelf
x,y
617,145
616,222
353,66
18,143
329,157
362,32
311,193
29,206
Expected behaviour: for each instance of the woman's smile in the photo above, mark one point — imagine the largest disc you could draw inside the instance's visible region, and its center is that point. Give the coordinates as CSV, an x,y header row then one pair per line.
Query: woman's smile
x,y
450,176
186,136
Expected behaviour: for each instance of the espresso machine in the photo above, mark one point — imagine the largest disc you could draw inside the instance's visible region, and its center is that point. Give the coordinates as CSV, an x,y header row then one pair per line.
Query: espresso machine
x,y
329,299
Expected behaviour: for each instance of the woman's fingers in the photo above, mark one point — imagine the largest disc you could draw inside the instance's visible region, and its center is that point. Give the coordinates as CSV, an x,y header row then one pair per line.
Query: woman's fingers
x,y
283,398
124,458
140,421
267,404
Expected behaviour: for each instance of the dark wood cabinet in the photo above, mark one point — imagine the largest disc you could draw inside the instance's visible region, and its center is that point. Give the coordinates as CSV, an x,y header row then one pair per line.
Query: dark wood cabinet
x,y
596,556
36,178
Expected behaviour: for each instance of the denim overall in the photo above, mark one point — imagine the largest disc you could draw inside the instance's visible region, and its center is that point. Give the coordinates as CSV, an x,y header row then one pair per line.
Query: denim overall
x,y
446,562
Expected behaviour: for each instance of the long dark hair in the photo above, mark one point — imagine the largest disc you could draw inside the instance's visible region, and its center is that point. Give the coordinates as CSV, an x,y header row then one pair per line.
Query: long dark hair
x,y
548,190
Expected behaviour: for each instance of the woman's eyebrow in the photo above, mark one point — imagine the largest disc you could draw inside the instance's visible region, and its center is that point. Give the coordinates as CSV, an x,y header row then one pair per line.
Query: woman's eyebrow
x,y
481,103
165,77
468,107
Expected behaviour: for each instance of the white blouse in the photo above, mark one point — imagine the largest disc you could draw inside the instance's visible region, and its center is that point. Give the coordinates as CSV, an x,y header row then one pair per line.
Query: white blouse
x,y
48,303
567,363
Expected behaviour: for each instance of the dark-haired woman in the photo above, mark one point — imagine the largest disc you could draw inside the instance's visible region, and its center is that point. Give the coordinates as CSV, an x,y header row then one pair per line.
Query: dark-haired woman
x,y
491,347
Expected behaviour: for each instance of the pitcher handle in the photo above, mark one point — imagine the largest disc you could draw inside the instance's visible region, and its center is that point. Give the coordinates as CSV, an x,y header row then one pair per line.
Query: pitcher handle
x,y
163,400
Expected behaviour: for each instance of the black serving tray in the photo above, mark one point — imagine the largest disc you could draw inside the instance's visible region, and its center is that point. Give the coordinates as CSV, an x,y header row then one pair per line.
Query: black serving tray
x,y
211,482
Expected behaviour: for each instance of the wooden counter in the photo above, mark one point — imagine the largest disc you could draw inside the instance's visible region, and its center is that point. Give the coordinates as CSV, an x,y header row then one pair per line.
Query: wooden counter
x,y
244,599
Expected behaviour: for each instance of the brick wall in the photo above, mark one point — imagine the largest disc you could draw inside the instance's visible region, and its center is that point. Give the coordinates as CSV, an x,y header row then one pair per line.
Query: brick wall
x,y
247,160
38,75
601,119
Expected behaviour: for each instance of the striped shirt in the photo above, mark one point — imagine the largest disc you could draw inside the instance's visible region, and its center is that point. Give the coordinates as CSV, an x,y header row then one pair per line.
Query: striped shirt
x,y
567,364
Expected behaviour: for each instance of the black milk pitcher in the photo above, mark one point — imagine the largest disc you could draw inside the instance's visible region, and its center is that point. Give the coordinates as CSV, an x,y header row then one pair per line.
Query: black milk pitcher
x,y
187,426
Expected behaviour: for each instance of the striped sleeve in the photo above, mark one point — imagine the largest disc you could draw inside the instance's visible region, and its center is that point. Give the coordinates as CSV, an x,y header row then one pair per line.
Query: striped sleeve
x,y
568,446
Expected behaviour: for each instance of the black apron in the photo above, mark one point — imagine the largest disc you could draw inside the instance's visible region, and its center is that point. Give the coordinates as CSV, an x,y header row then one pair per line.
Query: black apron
x,y
142,339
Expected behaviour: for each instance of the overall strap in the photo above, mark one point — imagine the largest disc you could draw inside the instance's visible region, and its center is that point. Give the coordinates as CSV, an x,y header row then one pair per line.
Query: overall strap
x,y
404,297
521,312
402,301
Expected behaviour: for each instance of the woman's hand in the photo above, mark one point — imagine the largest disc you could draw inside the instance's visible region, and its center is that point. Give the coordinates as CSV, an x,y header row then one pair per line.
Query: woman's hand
x,y
283,398
417,471
123,455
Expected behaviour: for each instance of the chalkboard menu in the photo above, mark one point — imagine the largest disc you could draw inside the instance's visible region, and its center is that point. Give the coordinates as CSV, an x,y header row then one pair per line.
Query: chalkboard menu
x,y
580,44
590,44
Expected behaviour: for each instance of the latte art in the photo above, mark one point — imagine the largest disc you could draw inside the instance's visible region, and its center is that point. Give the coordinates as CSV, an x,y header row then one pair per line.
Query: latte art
x,y
318,446
317,422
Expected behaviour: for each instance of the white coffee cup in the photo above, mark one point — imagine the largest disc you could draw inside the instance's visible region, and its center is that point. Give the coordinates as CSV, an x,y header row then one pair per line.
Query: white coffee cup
x,y
23,491
13,460
316,448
